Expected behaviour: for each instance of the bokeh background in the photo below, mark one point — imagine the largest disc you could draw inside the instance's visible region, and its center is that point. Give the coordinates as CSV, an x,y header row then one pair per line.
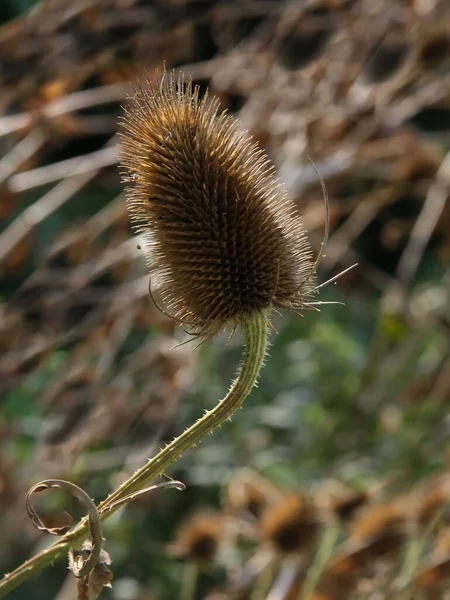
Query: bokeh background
x,y
353,398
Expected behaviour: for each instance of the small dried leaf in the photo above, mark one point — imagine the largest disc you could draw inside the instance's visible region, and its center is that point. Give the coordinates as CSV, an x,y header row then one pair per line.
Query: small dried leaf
x,y
91,585
178,485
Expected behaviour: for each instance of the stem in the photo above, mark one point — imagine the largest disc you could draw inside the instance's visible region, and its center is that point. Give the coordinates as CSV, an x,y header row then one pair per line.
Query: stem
x,y
324,552
255,331
190,576
263,581
255,338
286,578
414,552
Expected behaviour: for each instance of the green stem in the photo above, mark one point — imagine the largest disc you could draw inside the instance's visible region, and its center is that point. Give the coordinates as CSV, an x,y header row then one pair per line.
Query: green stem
x,y
323,554
255,332
190,576
263,581
413,555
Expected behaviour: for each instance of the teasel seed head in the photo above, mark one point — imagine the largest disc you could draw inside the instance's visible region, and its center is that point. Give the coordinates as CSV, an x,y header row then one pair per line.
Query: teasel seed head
x,y
381,529
433,502
292,525
339,500
222,239
199,537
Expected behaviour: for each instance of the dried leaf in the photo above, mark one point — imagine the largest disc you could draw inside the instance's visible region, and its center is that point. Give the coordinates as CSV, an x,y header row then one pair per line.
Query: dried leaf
x,y
91,585
178,485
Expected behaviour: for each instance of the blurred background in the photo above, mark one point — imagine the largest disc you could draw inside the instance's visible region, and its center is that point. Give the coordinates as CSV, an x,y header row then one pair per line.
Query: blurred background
x,y
351,412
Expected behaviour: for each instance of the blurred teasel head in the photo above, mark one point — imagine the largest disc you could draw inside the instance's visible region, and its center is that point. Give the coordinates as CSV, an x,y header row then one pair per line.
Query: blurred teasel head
x,y
292,525
199,537
221,237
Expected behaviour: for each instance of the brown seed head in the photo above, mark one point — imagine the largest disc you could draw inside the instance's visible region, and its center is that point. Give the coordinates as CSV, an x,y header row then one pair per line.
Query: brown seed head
x,y
199,537
290,526
384,526
434,579
340,500
376,534
433,502
250,492
434,48
250,499
221,237
345,506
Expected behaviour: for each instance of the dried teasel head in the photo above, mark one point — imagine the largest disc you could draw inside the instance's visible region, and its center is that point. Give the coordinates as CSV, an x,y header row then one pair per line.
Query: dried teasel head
x,y
432,504
292,525
199,537
248,498
380,530
434,47
250,493
222,239
340,500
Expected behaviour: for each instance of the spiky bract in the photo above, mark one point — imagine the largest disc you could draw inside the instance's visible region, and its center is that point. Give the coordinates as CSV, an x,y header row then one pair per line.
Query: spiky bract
x,y
221,237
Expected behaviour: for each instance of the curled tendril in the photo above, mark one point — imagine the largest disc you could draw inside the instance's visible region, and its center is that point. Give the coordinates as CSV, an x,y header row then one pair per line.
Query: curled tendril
x,y
78,565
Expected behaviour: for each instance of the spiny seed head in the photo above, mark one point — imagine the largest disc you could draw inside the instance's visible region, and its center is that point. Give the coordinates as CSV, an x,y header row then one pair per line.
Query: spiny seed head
x,y
380,521
249,498
199,537
291,525
432,501
221,237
